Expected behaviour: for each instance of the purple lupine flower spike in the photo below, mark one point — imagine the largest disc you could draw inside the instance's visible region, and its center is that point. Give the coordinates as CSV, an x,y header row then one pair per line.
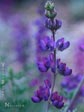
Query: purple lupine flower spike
x,y
46,91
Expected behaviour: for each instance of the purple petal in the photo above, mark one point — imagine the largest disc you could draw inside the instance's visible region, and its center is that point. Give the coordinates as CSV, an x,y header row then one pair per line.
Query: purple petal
x,y
61,68
67,71
60,105
35,99
55,103
42,67
51,57
46,94
61,45
54,96
43,45
53,68
65,46
58,24
59,42
46,62
58,62
82,47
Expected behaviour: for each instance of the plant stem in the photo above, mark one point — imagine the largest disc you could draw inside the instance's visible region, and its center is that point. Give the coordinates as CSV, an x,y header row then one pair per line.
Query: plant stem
x,y
75,95
54,75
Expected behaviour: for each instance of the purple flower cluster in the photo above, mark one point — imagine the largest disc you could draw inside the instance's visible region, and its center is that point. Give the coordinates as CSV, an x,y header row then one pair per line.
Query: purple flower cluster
x,y
50,62
55,25
47,43
47,63
62,69
44,92
71,83
57,100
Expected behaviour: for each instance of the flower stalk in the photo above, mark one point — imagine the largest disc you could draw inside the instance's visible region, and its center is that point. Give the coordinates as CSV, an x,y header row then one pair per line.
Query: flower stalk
x,y
54,74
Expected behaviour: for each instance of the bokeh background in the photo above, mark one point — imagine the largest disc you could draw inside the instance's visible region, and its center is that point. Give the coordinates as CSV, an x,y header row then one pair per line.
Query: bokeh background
x,y
21,28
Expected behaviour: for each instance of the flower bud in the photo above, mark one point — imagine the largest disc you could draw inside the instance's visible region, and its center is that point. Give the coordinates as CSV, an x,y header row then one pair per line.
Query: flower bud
x,y
50,15
49,6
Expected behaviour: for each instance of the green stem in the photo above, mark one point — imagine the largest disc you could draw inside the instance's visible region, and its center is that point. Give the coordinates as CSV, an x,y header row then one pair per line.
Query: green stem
x,y
75,95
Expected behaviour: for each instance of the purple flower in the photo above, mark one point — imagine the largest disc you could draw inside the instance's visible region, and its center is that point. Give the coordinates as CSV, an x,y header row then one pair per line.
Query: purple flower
x,y
53,25
62,69
61,45
42,93
36,99
70,83
47,44
47,62
67,71
49,24
43,64
44,44
57,100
